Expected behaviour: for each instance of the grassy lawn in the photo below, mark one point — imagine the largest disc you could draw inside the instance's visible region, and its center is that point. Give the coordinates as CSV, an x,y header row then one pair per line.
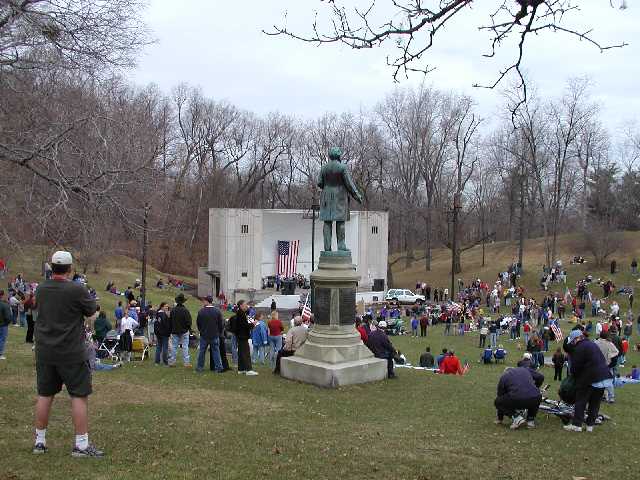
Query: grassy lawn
x,y
155,422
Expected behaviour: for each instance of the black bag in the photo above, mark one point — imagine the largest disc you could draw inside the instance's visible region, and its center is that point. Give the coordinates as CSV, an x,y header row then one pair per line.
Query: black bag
x,y
567,391
233,327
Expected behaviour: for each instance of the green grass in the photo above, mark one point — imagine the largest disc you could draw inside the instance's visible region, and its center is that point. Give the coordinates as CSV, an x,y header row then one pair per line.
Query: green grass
x,y
156,422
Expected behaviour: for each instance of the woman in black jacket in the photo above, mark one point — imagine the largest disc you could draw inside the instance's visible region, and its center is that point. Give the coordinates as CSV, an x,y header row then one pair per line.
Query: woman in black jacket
x,y
162,331
589,368
241,328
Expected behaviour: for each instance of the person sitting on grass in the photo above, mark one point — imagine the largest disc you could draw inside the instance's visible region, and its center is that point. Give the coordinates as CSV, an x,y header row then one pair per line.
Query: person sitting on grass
x,y
500,353
94,362
426,359
101,326
487,356
519,389
381,346
451,365
295,338
440,357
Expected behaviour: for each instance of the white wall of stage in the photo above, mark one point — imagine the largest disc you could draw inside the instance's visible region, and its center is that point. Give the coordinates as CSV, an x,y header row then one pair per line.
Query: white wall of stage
x,y
243,246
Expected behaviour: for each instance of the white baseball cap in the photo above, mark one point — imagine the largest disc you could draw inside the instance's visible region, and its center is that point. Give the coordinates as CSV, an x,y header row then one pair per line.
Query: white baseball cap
x,y
61,258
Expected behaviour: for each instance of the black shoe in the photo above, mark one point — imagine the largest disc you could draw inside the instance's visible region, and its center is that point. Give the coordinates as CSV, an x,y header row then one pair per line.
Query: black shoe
x,y
90,451
39,448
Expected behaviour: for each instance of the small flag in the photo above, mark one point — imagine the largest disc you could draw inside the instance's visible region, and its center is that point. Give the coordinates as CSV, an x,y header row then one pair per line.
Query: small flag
x,y
288,257
557,332
306,310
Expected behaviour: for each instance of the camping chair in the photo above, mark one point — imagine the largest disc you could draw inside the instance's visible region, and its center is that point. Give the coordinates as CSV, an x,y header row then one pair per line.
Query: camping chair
x,y
500,355
110,346
139,346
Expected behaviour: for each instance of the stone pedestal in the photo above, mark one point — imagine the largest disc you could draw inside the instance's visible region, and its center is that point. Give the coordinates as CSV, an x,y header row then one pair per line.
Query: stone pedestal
x,y
333,354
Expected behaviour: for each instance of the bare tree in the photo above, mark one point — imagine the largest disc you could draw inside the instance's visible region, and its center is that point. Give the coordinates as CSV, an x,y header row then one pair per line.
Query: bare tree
x,y
83,35
414,27
465,162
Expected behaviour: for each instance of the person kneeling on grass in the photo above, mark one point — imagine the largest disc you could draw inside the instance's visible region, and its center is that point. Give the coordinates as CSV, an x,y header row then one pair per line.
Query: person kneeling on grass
x,y
518,389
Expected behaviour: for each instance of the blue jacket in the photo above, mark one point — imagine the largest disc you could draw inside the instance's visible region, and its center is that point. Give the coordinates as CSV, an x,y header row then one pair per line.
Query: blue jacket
x,y
588,365
519,384
260,334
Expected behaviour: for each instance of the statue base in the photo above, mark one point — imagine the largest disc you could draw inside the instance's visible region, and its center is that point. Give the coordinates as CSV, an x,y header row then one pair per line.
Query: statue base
x,y
334,355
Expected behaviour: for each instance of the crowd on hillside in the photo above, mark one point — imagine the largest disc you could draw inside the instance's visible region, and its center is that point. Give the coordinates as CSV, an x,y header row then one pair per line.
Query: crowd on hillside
x,y
248,336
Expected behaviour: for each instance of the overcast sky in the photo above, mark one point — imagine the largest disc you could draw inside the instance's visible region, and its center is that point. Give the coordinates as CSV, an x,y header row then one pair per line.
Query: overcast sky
x,y
219,46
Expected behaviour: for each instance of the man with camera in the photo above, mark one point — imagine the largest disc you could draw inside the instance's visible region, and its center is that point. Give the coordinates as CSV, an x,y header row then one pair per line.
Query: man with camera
x,y
61,354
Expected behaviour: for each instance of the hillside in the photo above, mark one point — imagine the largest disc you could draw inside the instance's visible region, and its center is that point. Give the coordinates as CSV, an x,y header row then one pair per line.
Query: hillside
x,y
118,268
501,254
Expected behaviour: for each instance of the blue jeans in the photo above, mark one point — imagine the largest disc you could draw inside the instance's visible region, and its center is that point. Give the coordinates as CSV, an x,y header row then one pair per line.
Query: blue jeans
x,y
493,338
104,366
214,345
162,349
234,349
276,346
4,333
259,354
175,341
22,316
526,339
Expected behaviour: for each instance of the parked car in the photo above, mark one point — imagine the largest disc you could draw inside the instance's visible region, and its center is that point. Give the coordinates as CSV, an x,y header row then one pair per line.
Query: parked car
x,y
403,296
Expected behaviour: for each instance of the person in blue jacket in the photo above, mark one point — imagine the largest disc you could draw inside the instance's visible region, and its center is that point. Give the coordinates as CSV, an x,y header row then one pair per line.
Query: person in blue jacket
x,y
260,339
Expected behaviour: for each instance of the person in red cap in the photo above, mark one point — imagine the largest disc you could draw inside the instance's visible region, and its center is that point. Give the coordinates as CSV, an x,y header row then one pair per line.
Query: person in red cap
x,y
61,354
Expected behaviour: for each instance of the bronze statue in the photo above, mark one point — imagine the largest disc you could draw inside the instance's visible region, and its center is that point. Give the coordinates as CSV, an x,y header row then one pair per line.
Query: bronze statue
x,y
337,185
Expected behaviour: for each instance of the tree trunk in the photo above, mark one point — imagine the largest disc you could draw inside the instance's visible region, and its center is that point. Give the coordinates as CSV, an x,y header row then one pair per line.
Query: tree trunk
x,y
427,249
409,244
521,227
483,232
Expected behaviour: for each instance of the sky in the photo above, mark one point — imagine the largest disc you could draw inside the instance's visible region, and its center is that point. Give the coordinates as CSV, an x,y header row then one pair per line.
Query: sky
x,y
218,45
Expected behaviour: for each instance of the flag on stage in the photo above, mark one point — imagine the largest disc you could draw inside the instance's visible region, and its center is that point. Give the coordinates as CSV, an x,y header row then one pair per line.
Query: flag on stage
x,y
288,257
557,332
306,309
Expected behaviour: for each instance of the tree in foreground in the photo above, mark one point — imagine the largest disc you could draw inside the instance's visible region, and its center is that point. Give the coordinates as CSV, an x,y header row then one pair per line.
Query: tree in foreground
x,y
415,27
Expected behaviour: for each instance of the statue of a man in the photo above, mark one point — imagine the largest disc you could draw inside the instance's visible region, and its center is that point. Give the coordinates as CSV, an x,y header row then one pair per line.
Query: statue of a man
x,y
337,185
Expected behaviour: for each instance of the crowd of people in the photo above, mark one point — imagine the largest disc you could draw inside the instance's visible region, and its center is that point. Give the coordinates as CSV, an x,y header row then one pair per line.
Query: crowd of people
x,y
592,354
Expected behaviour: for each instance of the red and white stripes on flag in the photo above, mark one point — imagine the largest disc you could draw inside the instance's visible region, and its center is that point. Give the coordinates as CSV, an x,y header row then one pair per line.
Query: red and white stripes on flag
x,y
288,257
557,332
306,310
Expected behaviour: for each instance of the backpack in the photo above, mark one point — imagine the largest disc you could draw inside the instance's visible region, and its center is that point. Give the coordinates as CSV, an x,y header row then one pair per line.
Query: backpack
x,y
567,390
232,325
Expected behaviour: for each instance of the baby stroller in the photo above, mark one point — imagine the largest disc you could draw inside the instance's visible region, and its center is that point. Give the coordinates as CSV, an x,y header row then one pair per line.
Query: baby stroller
x,y
110,346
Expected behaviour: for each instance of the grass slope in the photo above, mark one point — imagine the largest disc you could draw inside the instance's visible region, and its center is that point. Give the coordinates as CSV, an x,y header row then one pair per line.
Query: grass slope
x,y
120,269
500,255
159,423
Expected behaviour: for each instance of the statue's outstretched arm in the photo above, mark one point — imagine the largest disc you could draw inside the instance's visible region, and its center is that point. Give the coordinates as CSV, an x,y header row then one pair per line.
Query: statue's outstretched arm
x,y
351,186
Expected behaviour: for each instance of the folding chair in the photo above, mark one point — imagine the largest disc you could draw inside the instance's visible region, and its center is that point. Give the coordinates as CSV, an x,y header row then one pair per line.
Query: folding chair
x,y
139,346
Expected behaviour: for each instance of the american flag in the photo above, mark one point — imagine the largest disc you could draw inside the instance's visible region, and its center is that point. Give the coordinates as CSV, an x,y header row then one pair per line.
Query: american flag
x,y
288,257
306,310
557,332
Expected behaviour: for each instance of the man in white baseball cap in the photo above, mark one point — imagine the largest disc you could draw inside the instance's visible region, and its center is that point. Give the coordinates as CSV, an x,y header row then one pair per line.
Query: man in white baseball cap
x,y
61,258
61,354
